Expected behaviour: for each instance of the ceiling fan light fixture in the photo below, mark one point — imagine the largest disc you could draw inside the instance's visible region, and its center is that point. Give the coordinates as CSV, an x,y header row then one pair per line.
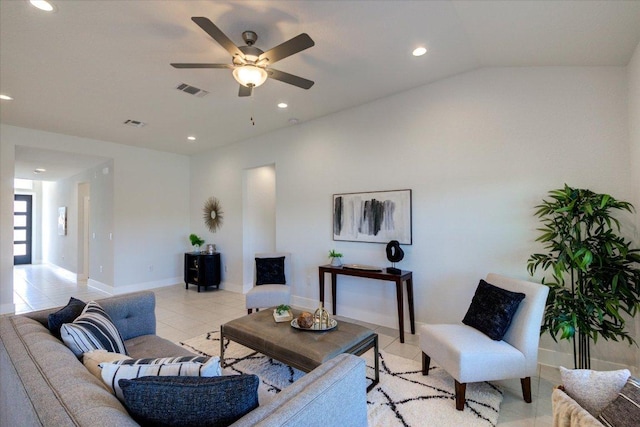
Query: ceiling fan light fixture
x,y
250,75
419,51
43,5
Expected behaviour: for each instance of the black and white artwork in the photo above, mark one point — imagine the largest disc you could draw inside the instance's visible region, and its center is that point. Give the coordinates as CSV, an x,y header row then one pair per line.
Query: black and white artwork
x,y
375,217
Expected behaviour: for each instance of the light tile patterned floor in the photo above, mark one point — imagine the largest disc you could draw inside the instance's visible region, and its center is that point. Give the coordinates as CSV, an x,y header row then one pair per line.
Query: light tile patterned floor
x,y
182,314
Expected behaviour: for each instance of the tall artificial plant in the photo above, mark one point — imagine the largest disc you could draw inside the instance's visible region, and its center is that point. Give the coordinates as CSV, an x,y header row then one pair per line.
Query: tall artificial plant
x,y
594,273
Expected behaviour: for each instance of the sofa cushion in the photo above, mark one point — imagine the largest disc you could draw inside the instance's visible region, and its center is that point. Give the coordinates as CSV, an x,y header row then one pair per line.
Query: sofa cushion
x,y
593,390
492,309
195,366
190,401
66,314
92,359
270,271
624,411
92,330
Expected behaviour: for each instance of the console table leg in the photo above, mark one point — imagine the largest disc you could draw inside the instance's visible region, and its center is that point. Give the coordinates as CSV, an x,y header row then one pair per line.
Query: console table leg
x,y
400,308
412,317
333,292
321,284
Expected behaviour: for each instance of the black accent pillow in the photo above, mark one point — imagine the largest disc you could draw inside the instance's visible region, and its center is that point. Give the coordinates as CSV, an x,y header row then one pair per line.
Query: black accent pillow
x,y
270,271
190,401
492,309
66,314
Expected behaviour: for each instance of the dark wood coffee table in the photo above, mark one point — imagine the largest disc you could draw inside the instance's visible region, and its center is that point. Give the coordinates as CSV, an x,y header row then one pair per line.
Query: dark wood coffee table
x,y
304,350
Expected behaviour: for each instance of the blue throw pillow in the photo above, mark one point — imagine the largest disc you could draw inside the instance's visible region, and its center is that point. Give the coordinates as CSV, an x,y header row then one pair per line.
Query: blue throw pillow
x,y
492,309
270,271
190,401
66,314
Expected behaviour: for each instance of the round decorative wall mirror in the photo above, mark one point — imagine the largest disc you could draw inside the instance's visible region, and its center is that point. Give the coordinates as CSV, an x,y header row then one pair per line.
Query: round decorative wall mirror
x,y
212,214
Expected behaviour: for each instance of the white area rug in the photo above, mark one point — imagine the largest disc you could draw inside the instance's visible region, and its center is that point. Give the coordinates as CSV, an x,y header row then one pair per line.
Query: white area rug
x,y
404,397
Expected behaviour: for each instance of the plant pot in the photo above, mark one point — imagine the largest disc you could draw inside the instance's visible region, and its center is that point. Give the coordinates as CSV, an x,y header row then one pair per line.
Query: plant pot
x,y
336,262
285,316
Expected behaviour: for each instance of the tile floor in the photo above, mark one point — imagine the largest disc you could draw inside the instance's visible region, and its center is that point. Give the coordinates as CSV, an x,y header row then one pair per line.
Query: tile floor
x,y
183,314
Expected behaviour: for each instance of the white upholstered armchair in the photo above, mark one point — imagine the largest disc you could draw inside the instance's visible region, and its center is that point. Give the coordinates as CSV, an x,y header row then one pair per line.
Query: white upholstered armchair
x,y
270,278
469,355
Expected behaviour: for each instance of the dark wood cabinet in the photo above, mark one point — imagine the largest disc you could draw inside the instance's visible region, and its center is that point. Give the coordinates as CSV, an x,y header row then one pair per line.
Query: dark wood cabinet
x,y
202,269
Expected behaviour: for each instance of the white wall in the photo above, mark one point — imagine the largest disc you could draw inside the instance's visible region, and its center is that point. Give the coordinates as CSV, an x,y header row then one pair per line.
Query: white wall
x,y
7,156
150,211
633,70
259,216
479,151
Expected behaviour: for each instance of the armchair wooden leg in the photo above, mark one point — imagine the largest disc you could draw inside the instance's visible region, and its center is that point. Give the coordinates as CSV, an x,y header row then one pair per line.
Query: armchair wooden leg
x,y
250,310
526,389
461,389
426,361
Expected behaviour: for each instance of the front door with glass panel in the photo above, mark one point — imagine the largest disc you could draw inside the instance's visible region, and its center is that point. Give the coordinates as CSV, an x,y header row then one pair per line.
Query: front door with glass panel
x,y
22,229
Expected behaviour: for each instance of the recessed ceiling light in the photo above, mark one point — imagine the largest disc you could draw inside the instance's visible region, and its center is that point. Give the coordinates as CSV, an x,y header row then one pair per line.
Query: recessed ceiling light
x,y
282,105
43,5
39,170
6,97
191,138
419,51
294,121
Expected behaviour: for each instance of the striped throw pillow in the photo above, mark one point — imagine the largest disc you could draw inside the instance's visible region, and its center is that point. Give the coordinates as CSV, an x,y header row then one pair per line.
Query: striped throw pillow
x,y
92,330
624,411
196,366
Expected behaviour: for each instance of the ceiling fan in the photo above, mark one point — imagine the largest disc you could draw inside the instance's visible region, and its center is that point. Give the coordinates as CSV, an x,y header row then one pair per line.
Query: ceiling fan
x,y
251,66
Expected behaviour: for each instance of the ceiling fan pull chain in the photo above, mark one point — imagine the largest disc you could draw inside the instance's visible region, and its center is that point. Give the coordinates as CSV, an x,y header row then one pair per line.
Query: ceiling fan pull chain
x,y
253,123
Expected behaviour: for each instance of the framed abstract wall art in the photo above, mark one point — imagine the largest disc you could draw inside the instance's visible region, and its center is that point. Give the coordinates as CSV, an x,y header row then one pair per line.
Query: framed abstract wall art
x,y
62,221
374,217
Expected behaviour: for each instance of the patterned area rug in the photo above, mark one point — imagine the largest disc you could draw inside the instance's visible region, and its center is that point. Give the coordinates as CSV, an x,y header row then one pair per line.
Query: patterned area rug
x,y
404,397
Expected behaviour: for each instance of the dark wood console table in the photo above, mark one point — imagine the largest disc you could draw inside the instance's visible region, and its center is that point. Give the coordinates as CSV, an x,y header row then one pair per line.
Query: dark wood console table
x,y
202,269
404,276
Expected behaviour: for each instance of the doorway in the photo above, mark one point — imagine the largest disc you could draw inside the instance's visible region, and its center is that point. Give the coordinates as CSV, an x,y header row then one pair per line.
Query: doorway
x,y
22,228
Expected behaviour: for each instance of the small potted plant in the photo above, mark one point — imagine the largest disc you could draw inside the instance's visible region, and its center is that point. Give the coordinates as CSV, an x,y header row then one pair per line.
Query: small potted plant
x,y
282,313
335,258
196,242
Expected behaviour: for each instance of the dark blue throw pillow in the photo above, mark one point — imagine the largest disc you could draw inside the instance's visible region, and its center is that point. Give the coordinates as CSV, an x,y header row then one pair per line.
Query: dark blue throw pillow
x,y
492,309
66,314
270,271
190,401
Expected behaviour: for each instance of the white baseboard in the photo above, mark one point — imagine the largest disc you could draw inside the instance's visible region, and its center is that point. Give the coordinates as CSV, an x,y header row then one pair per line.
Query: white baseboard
x,y
118,290
557,359
67,274
232,287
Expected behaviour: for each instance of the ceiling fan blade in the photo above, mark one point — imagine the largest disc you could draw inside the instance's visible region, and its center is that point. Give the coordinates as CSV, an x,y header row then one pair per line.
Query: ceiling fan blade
x,y
289,78
288,48
202,65
216,34
244,91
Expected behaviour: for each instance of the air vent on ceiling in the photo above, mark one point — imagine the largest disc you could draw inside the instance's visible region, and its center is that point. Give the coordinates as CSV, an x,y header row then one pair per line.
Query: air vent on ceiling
x,y
192,90
134,123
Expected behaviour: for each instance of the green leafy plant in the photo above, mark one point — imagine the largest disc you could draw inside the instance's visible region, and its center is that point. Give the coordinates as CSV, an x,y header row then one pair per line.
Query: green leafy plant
x,y
282,308
195,240
334,254
594,272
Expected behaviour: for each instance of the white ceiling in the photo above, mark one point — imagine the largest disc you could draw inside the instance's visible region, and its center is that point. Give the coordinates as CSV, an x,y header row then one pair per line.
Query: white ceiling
x,y
91,65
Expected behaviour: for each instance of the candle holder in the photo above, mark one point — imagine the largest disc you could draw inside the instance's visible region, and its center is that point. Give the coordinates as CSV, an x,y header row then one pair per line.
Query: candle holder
x,y
321,318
